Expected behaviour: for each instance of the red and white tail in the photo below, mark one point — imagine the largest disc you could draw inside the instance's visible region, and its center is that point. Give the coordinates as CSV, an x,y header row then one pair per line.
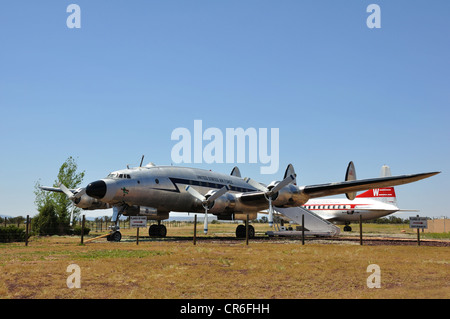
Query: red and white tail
x,y
385,194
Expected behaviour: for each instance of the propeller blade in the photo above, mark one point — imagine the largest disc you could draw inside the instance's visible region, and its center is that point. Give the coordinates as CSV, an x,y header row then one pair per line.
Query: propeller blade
x,y
205,222
80,193
217,194
270,213
194,193
71,215
256,185
66,191
281,184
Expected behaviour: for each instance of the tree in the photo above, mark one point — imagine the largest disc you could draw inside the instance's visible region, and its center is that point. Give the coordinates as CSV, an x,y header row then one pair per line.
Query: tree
x,y
47,221
68,176
60,203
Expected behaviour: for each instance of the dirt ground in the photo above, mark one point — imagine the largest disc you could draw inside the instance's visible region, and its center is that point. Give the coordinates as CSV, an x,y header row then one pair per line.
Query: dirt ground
x,y
220,266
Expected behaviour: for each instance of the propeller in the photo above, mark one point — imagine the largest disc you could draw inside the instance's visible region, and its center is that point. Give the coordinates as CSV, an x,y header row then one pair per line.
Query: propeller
x,y
270,192
73,197
207,201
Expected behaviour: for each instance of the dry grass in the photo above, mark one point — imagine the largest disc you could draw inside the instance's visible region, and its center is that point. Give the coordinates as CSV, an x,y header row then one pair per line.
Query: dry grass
x,y
220,269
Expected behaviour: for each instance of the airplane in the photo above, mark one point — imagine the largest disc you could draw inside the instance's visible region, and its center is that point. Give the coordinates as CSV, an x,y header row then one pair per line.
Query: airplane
x,y
155,191
372,204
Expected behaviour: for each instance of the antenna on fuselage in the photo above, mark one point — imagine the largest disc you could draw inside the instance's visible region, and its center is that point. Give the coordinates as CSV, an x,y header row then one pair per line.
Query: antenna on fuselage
x,y
142,159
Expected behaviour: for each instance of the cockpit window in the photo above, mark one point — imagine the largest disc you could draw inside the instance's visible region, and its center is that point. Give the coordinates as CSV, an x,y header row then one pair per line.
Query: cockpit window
x,y
117,175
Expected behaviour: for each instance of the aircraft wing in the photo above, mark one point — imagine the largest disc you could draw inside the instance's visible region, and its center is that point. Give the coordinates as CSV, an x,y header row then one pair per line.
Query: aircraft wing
x,y
322,190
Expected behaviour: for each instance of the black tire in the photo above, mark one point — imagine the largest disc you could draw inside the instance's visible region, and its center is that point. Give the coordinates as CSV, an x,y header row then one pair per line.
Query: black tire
x,y
116,236
251,232
162,231
347,228
153,230
157,231
240,231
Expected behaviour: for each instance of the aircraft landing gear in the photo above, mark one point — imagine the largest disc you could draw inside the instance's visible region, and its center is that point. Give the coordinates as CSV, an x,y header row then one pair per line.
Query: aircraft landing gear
x,y
157,230
240,231
347,227
114,236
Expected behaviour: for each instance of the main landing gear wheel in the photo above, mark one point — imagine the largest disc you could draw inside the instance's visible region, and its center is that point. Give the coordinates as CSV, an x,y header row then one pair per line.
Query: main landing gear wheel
x,y
347,228
240,231
157,231
114,236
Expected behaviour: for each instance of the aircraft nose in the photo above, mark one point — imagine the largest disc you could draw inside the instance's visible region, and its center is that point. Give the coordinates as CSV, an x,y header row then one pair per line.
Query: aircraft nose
x,y
96,189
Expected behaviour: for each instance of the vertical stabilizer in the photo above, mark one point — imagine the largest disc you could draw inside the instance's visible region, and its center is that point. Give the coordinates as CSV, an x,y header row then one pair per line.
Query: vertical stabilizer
x,y
385,171
385,194
350,175
290,171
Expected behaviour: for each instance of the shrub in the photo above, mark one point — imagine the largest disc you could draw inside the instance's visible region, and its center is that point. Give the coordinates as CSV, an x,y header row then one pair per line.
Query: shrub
x,y
11,234
77,230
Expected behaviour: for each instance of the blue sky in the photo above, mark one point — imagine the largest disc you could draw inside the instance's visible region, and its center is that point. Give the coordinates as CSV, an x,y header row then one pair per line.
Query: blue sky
x,y
116,88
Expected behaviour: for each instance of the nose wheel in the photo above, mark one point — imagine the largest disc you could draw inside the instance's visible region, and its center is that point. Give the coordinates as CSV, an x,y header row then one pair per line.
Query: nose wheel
x,y
114,236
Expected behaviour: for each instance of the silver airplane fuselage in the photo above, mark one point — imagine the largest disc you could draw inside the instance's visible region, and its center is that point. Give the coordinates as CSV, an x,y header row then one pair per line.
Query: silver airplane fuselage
x,y
162,188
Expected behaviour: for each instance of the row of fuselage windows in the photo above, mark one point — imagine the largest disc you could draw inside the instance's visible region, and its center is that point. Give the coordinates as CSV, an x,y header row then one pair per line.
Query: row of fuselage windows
x,y
327,206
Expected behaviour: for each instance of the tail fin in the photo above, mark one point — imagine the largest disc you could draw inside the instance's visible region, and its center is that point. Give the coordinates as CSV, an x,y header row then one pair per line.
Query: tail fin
x,y
290,171
385,194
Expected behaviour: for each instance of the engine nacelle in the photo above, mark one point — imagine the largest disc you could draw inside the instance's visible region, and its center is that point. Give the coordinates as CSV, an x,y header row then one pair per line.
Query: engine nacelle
x,y
89,203
290,196
224,204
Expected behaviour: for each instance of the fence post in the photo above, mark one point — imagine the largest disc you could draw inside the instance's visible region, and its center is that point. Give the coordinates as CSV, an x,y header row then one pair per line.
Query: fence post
x,y
26,230
82,229
137,236
303,229
195,229
360,230
246,231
